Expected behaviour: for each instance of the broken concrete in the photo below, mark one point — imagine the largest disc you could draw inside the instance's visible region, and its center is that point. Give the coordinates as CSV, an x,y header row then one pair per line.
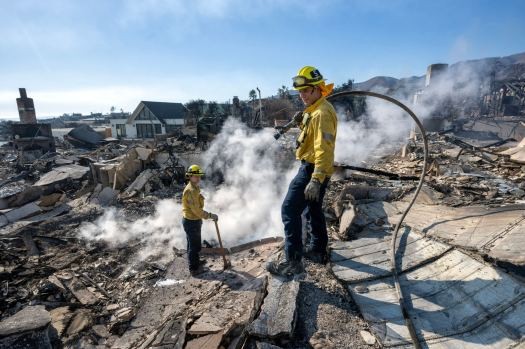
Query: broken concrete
x,y
63,173
211,341
29,328
278,313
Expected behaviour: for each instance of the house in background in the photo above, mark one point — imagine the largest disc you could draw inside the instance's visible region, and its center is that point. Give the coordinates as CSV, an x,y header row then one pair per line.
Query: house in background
x,y
150,119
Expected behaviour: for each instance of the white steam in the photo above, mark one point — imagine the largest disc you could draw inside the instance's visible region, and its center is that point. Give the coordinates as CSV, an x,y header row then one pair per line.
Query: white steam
x,y
248,201
382,124
249,198
453,94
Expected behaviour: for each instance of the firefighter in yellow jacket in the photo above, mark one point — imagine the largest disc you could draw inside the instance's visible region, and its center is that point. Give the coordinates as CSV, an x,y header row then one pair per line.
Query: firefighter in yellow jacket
x,y
315,150
192,215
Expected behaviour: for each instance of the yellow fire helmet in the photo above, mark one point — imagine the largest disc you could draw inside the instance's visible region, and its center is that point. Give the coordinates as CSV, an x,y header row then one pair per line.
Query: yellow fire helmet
x,y
194,170
306,77
310,76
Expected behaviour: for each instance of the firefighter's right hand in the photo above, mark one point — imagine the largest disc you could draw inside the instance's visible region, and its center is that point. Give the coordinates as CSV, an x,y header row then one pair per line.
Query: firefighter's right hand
x,y
214,217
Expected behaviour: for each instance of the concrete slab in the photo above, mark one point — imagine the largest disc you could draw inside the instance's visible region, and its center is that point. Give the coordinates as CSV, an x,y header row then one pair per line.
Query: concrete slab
x,y
278,313
496,232
368,258
62,173
453,296
29,328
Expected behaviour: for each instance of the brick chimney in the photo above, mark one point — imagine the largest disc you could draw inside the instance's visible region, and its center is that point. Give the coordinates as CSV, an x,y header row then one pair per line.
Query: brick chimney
x,y
26,108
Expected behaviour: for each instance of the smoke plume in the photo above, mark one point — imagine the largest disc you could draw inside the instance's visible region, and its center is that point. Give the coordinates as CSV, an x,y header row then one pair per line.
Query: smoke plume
x,y
248,200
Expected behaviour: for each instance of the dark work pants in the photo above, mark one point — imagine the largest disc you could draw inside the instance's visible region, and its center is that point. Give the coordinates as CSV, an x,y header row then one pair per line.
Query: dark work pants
x,y
293,206
193,237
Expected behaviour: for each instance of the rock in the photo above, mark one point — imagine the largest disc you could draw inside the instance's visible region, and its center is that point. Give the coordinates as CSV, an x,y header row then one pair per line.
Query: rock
x,y
50,200
237,310
55,281
107,196
27,195
13,215
211,341
279,311
111,307
347,218
81,320
368,337
124,314
203,326
429,196
172,335
101,331
320,340
78,289
29,328
519,193
60,318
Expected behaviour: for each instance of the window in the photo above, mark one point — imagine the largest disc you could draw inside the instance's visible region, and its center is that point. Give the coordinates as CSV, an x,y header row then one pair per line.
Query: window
x,y
172,129
121,130
158,129
144,131
145,114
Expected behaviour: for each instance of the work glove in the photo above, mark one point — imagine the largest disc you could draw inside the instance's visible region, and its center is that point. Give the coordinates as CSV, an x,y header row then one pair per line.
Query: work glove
x,y
298,117
313,190
214,217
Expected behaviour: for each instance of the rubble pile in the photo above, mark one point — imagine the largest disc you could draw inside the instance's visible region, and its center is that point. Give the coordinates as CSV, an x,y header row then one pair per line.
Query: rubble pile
x,y
455,178
94,295
84,287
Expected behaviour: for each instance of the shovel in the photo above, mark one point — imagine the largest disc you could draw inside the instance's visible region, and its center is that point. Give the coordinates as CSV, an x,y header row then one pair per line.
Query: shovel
x,y
226,263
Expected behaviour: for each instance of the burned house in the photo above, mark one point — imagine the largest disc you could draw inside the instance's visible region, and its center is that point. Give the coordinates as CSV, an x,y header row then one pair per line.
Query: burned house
x,y
30,139
150,119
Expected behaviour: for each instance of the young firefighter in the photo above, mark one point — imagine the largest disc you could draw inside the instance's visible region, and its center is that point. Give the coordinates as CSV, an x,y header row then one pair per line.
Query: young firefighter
x,y
192,216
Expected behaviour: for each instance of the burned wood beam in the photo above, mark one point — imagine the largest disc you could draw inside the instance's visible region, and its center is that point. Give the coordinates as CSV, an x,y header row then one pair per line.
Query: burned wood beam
x,y
390,175
469,148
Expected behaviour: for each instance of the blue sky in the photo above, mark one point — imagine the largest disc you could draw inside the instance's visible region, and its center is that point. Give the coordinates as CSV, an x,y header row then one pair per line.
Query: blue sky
x,y
83,56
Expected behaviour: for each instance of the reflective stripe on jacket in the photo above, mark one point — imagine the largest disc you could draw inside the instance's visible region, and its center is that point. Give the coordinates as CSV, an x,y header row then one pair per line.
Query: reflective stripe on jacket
x,y
193,203
316,143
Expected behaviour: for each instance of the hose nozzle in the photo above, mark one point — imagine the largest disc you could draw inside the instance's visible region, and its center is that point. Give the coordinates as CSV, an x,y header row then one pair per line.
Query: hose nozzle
x,y
283,129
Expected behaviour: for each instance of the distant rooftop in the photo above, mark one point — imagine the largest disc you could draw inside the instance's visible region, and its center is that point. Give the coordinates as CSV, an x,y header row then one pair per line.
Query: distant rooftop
x,y
166,110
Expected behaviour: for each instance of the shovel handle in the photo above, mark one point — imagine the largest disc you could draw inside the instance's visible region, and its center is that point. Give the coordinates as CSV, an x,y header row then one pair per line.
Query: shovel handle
x,y
220,244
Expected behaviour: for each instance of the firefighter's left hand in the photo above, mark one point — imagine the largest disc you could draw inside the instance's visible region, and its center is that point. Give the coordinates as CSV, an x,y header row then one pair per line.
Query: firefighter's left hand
x,y
313,190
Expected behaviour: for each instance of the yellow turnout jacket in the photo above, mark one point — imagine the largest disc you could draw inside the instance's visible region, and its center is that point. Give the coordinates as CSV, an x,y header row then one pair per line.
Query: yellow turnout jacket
x,y
316,143
193,203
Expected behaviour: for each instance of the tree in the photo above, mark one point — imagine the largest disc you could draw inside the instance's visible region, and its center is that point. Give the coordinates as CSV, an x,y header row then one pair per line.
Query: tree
x,y
213,109
283,92
112,109
196,110
253,95
345,86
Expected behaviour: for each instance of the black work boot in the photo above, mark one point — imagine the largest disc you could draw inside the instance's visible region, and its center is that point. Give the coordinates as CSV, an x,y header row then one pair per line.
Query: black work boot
x,y
316,256
285,268
197,271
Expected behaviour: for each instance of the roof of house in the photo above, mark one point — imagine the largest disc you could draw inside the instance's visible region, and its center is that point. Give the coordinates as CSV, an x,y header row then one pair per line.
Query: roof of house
x,y
166,110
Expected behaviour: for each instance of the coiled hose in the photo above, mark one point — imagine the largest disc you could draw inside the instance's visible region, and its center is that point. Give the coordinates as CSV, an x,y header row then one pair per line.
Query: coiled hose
x,y
395,273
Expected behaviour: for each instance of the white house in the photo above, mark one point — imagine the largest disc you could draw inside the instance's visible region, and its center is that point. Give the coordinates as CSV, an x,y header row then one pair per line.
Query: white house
x,y
150,119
